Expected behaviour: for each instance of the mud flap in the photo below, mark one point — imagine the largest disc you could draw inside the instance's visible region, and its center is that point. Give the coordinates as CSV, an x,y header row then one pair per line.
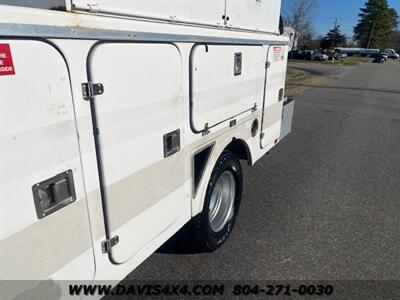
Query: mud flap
x,y
287,116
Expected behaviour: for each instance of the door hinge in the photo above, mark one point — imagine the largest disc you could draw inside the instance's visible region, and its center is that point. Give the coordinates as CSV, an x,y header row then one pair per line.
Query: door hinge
x,y
267,64
94,8
206,129
90,89
108,244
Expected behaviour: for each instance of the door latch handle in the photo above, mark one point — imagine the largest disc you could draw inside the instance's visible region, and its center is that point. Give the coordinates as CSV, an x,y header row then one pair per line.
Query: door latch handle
x,y
54,193
172,143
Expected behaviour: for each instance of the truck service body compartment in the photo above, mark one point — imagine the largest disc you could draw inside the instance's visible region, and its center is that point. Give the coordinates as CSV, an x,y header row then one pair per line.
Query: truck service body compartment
x,y
142,101
38,141
274,95
109,110
222,93
253,15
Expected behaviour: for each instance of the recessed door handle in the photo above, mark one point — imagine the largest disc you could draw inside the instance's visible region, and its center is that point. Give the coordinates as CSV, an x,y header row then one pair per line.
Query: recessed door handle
x,y
172,143
54,193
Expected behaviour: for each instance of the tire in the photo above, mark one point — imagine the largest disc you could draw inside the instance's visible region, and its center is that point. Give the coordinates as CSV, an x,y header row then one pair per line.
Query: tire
x,y
215,223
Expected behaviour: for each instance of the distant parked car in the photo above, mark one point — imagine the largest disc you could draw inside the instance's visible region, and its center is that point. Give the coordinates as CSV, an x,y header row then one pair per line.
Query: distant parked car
x,y
319,56
379,58
339,55
296,54
380,55
308,54
392,53
336,55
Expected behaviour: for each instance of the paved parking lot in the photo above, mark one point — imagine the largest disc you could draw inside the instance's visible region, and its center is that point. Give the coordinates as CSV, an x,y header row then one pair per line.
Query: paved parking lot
x,y
325,204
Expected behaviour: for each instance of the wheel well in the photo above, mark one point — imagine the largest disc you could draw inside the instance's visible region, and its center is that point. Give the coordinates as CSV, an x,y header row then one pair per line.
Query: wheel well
x,y
240,148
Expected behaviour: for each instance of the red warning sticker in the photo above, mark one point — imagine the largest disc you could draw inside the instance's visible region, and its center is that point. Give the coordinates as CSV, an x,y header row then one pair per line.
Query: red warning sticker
x,y
6,62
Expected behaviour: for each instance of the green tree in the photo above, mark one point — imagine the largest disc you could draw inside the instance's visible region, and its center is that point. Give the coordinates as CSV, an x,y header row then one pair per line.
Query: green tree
x,y
309,42
394,41
298,15
334,38
377,23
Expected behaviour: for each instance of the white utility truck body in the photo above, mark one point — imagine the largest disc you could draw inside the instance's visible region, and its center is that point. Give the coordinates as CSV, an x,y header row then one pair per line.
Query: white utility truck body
x,y
113,117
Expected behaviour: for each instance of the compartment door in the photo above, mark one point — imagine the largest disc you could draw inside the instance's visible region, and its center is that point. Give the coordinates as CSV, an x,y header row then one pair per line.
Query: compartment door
x,y
208,12
274,95
139,120
44,223
254,15
227,82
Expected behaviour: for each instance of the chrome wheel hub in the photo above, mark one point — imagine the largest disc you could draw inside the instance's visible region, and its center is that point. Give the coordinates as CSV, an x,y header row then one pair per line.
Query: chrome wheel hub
x,y
222,200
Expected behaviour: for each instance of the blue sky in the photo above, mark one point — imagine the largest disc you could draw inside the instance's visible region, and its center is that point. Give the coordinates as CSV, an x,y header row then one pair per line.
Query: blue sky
x,y
345,10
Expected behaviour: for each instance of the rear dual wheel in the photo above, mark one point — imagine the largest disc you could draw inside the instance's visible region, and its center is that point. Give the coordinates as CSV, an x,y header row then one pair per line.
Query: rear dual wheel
x,y
215,223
